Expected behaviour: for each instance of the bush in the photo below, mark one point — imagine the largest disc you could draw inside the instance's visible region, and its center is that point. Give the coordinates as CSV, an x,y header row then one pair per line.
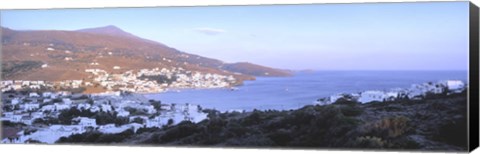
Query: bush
x,y
183,129
138,120
253,119
368,142
351,111
454,132
346,100
234,129
121,121
96,137
11,124
389,127
281,137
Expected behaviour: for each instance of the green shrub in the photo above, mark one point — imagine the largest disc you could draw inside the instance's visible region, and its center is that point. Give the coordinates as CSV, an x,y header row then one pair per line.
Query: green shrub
x,y
453,132
183,129
346,101
281,137
234,129
351,111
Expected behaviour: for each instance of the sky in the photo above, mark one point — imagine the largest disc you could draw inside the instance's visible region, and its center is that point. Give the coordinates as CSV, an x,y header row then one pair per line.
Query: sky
x,y
368,36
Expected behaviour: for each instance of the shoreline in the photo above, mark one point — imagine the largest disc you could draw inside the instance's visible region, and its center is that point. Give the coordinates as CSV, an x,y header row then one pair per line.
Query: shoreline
x,y
354,124
139,96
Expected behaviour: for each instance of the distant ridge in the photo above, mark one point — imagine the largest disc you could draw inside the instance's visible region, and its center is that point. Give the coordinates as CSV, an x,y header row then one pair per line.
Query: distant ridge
x,y
112,30
69,53
108,30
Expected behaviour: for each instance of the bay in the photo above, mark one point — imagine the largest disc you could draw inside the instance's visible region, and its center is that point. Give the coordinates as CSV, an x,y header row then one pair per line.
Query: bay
x,y
303,88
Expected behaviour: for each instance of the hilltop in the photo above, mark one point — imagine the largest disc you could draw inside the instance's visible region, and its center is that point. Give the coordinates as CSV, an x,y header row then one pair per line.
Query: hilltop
x,y
54,55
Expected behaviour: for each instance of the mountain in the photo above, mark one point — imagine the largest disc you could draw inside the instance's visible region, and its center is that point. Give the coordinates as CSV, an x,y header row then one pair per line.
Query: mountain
x,y
108,30
112,30
254,69
68,53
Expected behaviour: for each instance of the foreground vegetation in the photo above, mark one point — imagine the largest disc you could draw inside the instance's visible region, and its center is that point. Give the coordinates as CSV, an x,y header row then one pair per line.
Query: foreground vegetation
x,y
437,122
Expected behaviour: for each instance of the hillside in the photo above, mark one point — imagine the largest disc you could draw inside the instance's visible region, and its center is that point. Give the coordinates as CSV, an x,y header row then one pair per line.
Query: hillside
x,y
68,53
253,69
437,122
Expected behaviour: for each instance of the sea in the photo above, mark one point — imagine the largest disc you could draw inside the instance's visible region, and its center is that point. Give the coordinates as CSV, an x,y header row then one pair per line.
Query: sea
x,y
303,88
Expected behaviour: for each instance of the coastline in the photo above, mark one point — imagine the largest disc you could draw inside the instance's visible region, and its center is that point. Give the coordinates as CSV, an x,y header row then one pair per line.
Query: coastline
x,y
387,125
209,110
211,113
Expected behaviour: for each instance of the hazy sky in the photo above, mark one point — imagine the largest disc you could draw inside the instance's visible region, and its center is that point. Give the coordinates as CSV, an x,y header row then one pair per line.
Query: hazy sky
x,y
385,36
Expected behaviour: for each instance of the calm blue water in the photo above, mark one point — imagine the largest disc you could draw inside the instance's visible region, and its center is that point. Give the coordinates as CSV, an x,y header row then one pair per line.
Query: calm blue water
x,y
301,89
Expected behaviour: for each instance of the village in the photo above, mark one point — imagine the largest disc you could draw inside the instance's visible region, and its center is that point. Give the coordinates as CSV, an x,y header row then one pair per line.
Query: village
x,y
143,81
158,80
47,116
40,107
414,92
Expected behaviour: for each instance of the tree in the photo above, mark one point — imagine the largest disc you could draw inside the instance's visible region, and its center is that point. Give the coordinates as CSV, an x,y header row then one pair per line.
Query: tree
x,y
156,104
199,108
138,120
121,121
170,122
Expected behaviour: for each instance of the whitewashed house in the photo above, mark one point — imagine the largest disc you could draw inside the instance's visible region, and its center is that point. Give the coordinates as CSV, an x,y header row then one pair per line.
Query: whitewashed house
x,y
34,87
16,118
33,94
67,101
47,94
26,120
85,106
7,116
31,106
25,83
47,108
370,96
46,100
454,85
15,101
36,115
107,126
106,108
123,113
94,109
59,106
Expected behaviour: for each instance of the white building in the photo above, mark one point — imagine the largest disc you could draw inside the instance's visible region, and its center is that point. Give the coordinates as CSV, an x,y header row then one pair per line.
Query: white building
x,y
33,94
47,94
31,106
59,106
454,85
15,101
47,108
84,106
67,101
370,96
123,113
